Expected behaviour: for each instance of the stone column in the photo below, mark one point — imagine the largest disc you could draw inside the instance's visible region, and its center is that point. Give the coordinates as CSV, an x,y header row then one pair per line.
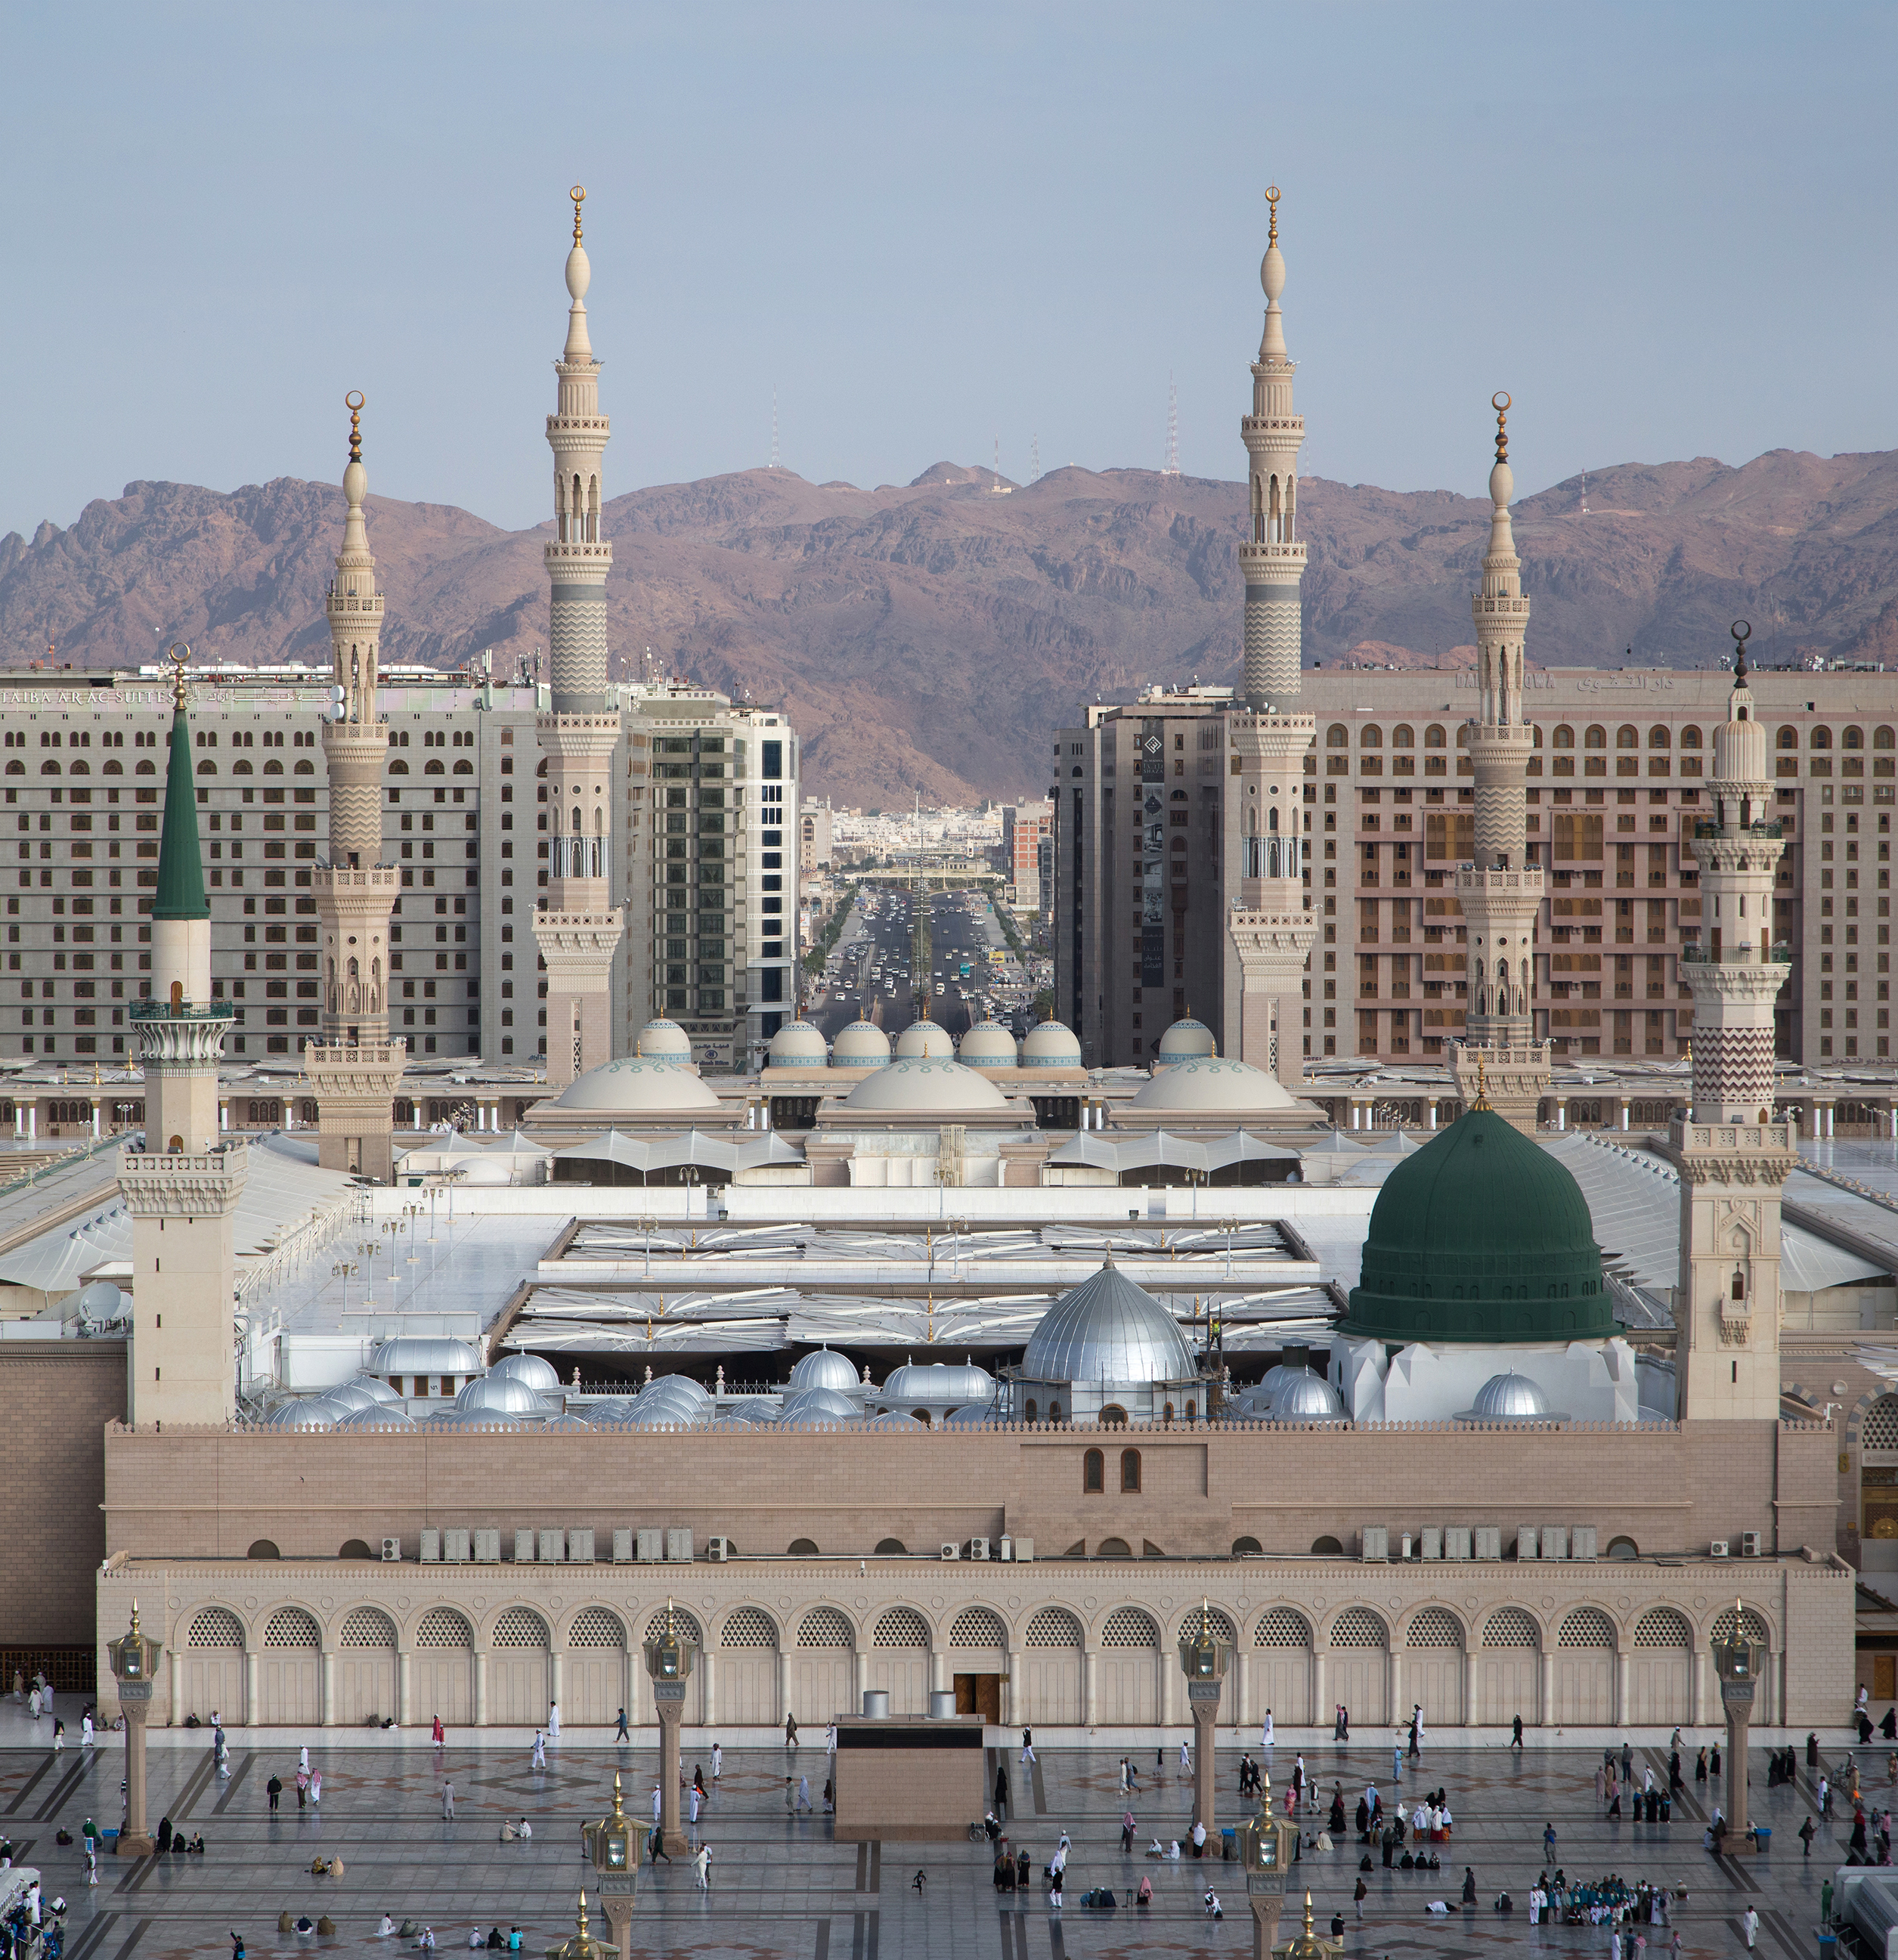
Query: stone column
x,y
480,1690
1468,1688
1400,1715
1318,1709
938,1671
669,1698
403,1717
1736,1701
1202,1698
556,1676
1546,1712
618,1908
708,1691
329,1715
1266,1909
135,1701
252,1704
1014,1715
1624,1669
1088,1688
1697,1687
177,1688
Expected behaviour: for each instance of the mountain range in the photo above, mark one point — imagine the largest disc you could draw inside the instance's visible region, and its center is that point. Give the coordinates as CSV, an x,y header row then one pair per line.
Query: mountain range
x,y
926,638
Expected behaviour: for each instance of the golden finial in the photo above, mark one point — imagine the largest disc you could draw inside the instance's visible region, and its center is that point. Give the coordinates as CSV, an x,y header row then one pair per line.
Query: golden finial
x,y
1482,1085
1500,403
180,653
1307,1915
353,402
619,1802
578,194
1272,199
134,1619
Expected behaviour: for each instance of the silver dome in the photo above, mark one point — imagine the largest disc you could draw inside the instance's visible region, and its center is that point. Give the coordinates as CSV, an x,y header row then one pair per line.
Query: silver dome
x,y
501,1394
753,1410
377,1390
664,1415
539,1375
565,1422
817,1405
1511,1398
939,1382
890,1420
1306,1397
424,1354
310,1412
475,1419
680,1389
350,1395
1106,1329
377,1415
970,1418
825,1369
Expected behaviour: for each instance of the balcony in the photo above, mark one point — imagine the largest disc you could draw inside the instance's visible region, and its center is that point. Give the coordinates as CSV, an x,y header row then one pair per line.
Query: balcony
x,y
162,1010
1693,953
1769,830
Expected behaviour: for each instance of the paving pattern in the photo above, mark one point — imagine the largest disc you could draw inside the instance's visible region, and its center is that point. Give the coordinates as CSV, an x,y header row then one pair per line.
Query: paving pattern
x,y
782,1886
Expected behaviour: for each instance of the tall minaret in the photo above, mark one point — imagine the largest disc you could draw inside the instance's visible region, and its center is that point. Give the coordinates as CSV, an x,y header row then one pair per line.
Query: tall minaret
x,y
1732,1155
1270,928
182,1188
1500,891
355,1069
577,927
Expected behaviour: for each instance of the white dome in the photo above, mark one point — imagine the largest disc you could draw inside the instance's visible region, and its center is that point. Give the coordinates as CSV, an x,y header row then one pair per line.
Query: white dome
x,y
662,1040
1305,1397
424,1354
568,1421
501,1394
751,1412
824,1369
1214,1087
312,1412
1188,1041
1049,1045
632,1083
939,1382
379,1391
481,1419
680,1388
987,1045
1511,1398
817,1405
862,1045
969,1418
539,1375
890,1420
1107,1330
926,1088
925,1041
350,1395
799,1045
377,1416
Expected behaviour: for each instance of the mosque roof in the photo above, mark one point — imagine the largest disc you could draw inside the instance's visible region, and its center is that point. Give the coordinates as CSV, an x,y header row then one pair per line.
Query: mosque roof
x,y
662,1040
1207,1083
926,1088
632,1082
1050,1044
987,1045
798,1043
1106,1329
862,1042
925,1041
1185,1040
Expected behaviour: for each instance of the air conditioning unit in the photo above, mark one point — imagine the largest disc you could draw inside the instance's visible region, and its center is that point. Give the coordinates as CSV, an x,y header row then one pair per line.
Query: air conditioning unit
x,y
622,1547
1377,1543
487,1546
580,1545
456,1544
523,1547
1717,1549
1749,1544
718,1550
951,1551
431,1547
978,1548
1007,1551
392,1549
652,1544
679,1544
553,1547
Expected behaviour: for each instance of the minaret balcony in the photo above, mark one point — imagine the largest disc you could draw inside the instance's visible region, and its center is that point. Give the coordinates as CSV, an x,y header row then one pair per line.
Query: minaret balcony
x,y
1251,553
555,551
162,1010
1769,831
1694,954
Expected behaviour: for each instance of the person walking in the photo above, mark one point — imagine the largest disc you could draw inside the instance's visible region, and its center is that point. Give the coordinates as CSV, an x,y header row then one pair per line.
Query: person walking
x,y
790,1795
623,1736
693,1818
1266,1734
448,1802
539,1760
440,1733
1549,1844
1126,1833
315,1787
1001,1789
1357,1897
273,1790
718,1761
1807,1832
1515,1738
1749,1924
790,1732
302,1788
1028,1746
553,1721
830,1739
303,1759
1186,1755
702,1867
803,1793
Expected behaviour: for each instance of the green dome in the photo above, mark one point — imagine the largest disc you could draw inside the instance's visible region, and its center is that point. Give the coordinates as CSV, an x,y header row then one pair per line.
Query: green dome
x,y
1481,1235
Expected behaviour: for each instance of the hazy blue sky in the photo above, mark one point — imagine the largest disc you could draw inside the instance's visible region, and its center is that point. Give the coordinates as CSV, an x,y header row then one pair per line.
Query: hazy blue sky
x,y
1668,229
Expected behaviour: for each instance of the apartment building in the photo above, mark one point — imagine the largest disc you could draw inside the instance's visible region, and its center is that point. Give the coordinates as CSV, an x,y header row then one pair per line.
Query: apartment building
x,y
816,836
1026,827
1615,787
702,789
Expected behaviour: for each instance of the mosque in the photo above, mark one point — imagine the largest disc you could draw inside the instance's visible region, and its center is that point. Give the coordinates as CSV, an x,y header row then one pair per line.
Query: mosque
x,y
931,1369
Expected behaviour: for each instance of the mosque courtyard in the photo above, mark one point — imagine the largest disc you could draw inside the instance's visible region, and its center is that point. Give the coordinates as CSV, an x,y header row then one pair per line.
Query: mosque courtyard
x,y
782,1885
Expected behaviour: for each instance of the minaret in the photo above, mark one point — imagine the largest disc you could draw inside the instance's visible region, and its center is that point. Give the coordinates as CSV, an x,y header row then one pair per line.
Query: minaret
x,y
1269,920
354,1069
1500,892
577,927
182,1186
1733,1157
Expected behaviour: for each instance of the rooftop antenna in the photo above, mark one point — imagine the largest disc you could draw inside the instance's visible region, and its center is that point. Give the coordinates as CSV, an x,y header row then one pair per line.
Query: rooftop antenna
x,y
1172,468
775,463
1584,493
1034,457
998,488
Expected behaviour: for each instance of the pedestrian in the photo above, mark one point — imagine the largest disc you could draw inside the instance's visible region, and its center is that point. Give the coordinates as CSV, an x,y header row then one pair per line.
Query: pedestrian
x,y
274,1788
694,1818
702,1867
1357,1897
622,1735
32,1702
553,1721
86,1730
830,1739
1397,1762
448,1802
315,1786
718,1761
1001,1789
790,1732
441,1734
303,1788
1266,1733
540,1758
1807,1832
303,1759
1548,1843
803,1793
655,1803
1186,1754
790,1794
1749,1921
1028,1746
1515,1738
59,1736
1126,1833
237,1946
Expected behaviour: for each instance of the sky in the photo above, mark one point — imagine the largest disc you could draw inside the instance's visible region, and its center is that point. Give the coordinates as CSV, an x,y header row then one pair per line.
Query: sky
x,y
1666,229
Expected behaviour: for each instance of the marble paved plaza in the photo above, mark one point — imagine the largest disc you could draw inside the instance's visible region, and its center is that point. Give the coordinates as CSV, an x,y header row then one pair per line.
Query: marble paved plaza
x,y
782,1886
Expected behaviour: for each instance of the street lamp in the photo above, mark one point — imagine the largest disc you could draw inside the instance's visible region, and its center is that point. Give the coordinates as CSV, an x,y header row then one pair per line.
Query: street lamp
x,y
1266,1847
1737,1662
135,1661
608,1845
1204,1658
669,1661
583,1945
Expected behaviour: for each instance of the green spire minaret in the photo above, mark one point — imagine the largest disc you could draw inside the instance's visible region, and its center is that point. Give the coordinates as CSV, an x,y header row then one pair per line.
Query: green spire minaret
x,y
181,863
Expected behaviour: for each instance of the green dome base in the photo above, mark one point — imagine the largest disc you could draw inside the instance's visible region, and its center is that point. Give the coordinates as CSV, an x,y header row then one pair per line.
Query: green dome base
x,y
1481,1235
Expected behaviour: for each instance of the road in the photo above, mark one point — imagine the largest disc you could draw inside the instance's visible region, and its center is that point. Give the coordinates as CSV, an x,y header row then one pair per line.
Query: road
x,y
880,934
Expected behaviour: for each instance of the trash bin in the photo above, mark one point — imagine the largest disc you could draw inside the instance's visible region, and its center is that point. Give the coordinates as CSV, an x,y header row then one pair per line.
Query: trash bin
x,y
1229,1845
1828,1946
1762,1836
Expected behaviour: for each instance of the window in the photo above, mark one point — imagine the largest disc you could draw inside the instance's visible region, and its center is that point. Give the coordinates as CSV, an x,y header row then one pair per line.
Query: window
x,y
1130,1470
1093,1471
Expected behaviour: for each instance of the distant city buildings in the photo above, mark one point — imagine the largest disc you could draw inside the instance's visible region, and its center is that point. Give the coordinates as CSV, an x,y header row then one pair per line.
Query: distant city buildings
x,y
1028,829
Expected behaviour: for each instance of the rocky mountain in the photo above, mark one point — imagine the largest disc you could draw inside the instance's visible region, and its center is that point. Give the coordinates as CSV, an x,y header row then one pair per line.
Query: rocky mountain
x,y
926,637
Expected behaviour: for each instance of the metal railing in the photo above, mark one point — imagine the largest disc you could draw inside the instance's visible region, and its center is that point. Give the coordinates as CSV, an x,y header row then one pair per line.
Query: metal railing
x,y
1743,954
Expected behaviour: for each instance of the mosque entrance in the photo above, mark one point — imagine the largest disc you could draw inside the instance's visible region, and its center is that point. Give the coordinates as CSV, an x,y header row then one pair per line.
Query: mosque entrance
x,y
979,1694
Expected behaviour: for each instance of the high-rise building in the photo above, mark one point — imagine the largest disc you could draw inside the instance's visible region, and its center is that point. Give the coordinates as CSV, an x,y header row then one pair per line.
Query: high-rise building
x,y
577,925
355,1067
1025,826
182,1188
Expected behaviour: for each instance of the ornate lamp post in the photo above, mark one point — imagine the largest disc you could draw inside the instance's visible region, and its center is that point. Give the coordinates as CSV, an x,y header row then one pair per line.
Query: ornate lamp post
x,y
583,1945
135,1661
1737,1662
611,1846
1205,1658
669,1661
1265,1849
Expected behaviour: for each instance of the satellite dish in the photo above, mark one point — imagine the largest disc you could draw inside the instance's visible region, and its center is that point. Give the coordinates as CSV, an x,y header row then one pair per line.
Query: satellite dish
x,y
101,1301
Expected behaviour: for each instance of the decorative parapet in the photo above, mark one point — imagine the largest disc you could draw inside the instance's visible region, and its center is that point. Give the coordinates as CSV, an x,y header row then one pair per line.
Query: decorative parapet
x,y
183,1184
